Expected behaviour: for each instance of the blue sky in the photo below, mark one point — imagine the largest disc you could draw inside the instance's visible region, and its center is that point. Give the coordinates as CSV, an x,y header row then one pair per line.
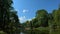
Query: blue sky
x,y
27,8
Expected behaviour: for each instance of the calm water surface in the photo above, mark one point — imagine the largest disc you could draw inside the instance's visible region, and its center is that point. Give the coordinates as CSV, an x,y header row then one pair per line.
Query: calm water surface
x,y
35,32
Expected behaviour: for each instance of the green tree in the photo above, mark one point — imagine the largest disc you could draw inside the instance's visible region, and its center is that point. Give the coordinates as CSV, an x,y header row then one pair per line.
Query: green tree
x,y
5,6
41,15
34,23
8,17
14,21
56,18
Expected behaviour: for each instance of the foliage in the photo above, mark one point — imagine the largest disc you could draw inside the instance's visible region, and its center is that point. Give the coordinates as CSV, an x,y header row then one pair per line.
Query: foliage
x,y
9,21
45,21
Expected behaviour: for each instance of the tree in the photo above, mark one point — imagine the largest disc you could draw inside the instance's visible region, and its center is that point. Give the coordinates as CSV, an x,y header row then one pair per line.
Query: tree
x,y
4,13
8,18
34,23
41,15
14,21
56,18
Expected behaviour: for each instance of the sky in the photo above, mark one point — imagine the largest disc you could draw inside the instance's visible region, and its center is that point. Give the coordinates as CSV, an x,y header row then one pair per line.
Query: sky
x,y
26,9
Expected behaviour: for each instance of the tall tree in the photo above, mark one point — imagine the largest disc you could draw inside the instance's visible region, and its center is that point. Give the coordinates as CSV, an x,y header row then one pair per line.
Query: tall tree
x,y
4,13
8,18
41,15
14,21
56,17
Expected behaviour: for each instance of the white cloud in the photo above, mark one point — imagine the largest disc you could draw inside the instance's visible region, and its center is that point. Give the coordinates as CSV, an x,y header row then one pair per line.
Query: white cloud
x,y
24,11
24,19
31,19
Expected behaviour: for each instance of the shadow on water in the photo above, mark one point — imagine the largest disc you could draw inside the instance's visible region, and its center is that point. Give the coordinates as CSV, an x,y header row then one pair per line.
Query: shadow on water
x,y
35,32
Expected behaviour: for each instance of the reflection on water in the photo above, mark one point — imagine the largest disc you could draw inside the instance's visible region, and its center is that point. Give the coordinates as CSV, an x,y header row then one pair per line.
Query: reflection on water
x,y
35,32
21,33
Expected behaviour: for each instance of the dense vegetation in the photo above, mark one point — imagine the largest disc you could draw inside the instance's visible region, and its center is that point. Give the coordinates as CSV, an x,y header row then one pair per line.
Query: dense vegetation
x,y
9,22
45,21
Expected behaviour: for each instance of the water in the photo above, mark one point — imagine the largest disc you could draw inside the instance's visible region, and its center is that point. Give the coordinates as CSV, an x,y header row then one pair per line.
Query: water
x,y
34,32
21,33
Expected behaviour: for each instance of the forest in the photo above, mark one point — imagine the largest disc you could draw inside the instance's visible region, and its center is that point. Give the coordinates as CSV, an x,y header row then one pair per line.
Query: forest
x,y
9,22
47,23
44,21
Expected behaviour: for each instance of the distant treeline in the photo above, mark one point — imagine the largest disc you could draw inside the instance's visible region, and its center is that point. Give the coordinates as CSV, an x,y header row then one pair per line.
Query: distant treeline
x,y
45,19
